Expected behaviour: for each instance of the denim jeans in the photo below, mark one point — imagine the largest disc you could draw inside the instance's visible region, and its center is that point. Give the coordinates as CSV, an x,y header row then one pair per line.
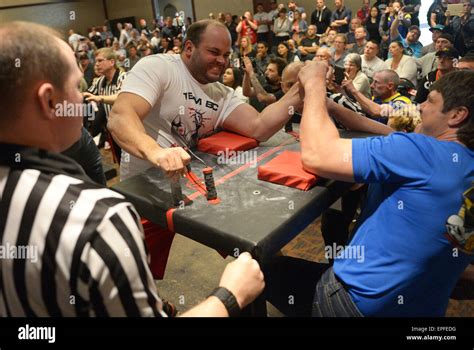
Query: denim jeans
x,y
302,288
331,298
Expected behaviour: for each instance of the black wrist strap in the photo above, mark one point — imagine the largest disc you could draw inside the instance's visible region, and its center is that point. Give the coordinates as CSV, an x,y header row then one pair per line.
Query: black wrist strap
x,y
228,299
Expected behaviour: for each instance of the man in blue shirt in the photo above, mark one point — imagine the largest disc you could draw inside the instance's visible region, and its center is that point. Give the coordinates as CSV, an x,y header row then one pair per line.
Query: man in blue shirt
x,y
341,17
411,44
400,261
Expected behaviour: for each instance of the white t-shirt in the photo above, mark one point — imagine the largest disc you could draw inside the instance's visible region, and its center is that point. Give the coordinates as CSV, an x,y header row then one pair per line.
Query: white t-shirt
x,y
373,66
183,110
262,28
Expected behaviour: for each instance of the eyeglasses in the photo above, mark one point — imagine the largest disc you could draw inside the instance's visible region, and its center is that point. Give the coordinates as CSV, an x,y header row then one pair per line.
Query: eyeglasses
x,y
100,60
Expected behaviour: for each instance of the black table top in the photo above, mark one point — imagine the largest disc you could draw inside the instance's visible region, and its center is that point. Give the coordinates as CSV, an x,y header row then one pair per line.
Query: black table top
x,y
253,215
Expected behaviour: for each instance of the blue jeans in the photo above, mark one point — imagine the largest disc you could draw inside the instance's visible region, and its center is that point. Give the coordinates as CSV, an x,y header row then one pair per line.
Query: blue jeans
x,y
302,288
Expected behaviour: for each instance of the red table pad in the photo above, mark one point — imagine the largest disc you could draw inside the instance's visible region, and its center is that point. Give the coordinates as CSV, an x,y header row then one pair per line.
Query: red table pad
x,y
223,140
286,169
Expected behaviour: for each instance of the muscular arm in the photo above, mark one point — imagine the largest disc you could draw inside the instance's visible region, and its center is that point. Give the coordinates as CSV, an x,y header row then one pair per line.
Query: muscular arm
x,y
355,121
323,152
126,125
245,120
366,104
262,95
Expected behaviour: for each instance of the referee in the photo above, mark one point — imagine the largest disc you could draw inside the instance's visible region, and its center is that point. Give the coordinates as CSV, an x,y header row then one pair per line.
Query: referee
x,y
85,250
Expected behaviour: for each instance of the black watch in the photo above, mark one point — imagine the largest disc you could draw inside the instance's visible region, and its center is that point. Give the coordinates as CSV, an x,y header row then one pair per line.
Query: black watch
x,y
228,299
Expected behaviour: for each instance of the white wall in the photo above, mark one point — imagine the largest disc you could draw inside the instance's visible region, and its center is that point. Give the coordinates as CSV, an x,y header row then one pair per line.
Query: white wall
x,y
181,5
236,7
78,15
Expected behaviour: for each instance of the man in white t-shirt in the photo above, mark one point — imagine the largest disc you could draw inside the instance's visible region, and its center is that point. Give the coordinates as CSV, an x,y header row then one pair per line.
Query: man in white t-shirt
x,y
171,99
371,64
263,20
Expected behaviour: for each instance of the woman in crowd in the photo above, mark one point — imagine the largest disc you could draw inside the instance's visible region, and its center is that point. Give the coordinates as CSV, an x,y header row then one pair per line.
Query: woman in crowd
x,y
373,23
404,65
233,78
352,66
281,27
283,51
298,27
246,48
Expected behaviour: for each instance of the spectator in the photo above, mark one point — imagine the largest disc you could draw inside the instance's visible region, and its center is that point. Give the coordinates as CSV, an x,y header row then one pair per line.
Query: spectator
x,y
382,5
231,26
132,59
428,63
73,39
416,5
117,50
341,17
404,65
339,51
309,44
360,41
284,52
248,27
298,27
352,66
321,17
446,61
466,62
246,48
436,31
355,23
462,28
411,44
438,13
293,7
328,40
233,78
155,40
165,45
364,12
169,31
373,25
281,27
385,99
371,63
262,58
263,21
271,91
87,68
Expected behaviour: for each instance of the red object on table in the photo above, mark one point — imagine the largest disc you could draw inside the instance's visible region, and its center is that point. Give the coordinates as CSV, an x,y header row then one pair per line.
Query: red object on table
x,y
286,169
226,141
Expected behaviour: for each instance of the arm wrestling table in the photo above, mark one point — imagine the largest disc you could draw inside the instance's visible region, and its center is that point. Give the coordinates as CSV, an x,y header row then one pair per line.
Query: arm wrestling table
x,y
252,216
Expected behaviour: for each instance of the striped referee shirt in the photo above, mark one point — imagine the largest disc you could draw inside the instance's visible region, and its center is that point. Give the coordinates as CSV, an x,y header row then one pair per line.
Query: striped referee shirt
x,y
101,87
68,246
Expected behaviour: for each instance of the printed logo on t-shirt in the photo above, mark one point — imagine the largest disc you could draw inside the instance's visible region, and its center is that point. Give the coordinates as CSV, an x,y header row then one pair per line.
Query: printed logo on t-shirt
x,y
460,227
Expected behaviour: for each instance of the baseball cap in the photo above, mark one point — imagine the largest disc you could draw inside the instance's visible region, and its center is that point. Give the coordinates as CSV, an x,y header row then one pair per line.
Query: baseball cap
x,y
448,52
439,27
448,37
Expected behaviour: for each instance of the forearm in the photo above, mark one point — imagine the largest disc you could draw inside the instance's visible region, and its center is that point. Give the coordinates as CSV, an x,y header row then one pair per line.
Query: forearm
x,y
211,307
317,131
366,104
130,134
257,86
276,115
109,99
394,28
246,87
354,121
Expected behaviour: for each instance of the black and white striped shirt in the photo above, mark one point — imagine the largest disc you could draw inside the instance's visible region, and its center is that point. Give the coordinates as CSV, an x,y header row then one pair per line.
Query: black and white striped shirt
x,y
87,256
101,87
